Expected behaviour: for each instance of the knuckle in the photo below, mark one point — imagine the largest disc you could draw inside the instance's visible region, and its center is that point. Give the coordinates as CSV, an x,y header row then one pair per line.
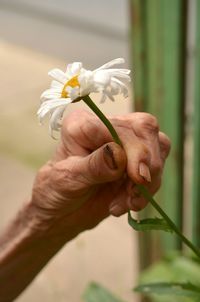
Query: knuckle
x,y
147,121
143,151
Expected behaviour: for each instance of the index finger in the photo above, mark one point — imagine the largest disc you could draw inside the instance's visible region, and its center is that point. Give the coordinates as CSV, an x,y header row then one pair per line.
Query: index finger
x,y
82,132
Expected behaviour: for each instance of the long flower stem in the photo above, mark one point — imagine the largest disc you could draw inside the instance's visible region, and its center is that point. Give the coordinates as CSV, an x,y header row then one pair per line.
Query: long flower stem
x,y
141,188
148,196
103,118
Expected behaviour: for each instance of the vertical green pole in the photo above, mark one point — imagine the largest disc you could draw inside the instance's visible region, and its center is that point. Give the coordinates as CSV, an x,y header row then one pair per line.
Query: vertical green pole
x,y
159,38
196,136
147,241
138,48
166,99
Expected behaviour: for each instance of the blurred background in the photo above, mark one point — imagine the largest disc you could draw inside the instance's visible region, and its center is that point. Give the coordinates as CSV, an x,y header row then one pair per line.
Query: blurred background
x,y
36,36
160,40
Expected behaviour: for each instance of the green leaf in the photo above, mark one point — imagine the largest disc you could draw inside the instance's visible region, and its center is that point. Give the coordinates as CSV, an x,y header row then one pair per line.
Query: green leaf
x,y
170,288
173,268
97,293
149,224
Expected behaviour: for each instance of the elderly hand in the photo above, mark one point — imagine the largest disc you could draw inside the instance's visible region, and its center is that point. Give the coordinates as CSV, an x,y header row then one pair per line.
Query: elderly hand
x,y
91,177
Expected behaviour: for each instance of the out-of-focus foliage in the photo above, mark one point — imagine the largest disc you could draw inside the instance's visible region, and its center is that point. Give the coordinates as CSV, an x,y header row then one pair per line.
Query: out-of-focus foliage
x,y
173,269
97,293
171,288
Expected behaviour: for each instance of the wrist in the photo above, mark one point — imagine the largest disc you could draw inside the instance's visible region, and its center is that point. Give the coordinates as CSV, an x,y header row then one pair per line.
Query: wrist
x,y
25,248
48,226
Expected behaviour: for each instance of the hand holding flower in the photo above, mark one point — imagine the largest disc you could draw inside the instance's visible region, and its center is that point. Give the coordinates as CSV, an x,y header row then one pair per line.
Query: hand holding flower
x,y
76,84
88,178
91,177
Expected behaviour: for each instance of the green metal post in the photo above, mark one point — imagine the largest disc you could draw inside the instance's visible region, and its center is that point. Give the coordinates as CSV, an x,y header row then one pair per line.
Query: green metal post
x,y
158,34
196,136
138,49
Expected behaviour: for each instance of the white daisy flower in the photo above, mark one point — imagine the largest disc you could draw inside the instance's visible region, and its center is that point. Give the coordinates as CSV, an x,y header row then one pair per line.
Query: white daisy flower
x,y
77,82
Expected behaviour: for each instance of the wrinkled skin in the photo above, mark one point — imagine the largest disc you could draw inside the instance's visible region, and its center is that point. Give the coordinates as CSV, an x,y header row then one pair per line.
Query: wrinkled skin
x,y
91,177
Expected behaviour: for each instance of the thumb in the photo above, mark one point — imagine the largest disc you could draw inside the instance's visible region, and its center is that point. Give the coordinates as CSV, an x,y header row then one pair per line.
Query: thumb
x,y
105,164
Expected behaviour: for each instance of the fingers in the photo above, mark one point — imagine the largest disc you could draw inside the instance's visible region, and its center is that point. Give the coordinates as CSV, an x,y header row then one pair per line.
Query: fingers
x,y
125,202
130,198
139,134
149,151
146,148
75,175
119,206
82,132
138,159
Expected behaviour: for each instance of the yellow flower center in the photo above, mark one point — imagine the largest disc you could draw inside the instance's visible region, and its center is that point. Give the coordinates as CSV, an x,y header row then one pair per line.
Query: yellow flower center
x,y
73,82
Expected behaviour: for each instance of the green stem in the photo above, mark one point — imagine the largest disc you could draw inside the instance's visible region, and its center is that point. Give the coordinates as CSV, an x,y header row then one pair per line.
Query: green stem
x,y
103,118
148,196
141,188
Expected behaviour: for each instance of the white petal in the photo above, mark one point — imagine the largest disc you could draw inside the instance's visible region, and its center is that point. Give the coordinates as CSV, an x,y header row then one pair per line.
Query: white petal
x,y
56,84
58,75
109,95
121,76
115,88
102,77
85,77
111,63
51,90
124,88
52,93
86,82
50,105
50,97
103,98
73,92
54,103
54,122
73,69
118,70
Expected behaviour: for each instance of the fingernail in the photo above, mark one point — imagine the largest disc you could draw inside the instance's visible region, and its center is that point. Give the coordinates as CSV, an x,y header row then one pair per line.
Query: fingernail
x,y
145,172
109,157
